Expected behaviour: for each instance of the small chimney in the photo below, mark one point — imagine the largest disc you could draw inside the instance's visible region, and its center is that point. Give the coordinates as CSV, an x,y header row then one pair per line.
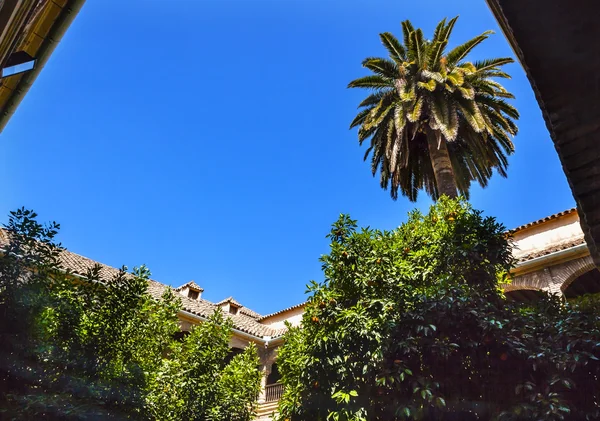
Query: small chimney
x,y
191,290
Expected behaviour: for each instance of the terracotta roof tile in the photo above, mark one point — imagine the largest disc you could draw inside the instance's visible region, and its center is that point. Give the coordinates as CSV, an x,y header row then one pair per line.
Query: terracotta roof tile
x,y
540,221
230,300
282,311
79,265
249,312
558,247
247,320
243,310
191,285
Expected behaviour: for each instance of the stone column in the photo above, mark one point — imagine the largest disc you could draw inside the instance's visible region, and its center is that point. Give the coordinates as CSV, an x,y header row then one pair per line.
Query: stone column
x,y
267,358
266,370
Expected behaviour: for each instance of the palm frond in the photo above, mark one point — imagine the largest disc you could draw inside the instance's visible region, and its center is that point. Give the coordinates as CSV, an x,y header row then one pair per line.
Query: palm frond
x,y
360,118
507,95
415,114
393,147
498,104
388,112
504,140
437,76
381,66
438,114
492,64
371,82
374,98
449,88
408,96
453,122
439,43
430,85
466,67
417,50
470,111
364,133
445,35
498,88
377,156
493,73
396,50
467,92
399,119
460,52
438,31
407,29
435,54
500,123
456,77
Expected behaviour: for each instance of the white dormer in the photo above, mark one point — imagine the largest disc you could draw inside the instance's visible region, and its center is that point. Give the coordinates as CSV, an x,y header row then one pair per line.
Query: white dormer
x,y
229,305
191,290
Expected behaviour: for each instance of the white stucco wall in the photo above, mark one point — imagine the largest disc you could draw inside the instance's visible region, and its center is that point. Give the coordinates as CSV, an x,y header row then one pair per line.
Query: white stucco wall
x,y
236,342
277,321
548,234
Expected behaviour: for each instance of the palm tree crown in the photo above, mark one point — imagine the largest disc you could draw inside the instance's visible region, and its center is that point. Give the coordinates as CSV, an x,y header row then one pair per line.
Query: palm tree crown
x,y
436,121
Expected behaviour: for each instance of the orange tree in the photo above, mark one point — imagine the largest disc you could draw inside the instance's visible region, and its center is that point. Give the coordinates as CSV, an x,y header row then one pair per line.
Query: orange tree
x,y
410,324
88,347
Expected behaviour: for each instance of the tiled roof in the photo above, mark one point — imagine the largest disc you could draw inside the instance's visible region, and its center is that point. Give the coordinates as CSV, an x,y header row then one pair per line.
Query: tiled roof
x,y
245,321
282,311
546,219
241,321
230,300
249,312
191,285
242,309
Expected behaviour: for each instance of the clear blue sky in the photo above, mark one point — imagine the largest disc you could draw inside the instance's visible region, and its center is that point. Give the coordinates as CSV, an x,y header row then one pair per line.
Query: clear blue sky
x,y
209,138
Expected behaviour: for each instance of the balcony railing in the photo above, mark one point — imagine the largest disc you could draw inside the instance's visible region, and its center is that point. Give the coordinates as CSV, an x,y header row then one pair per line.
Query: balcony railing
x,y
273,392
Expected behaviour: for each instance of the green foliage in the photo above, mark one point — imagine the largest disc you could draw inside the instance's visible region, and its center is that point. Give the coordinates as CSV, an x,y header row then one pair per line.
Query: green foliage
x,y
422,95
199,382
87,347
410,324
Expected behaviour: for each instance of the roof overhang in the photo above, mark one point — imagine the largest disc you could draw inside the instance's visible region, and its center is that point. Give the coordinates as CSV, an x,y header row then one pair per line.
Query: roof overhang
x,y
34,28
556,42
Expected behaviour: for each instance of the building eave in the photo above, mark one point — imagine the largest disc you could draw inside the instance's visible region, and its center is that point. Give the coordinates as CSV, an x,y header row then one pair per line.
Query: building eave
x,y
285,310
555,44
14,88
551,257
543,220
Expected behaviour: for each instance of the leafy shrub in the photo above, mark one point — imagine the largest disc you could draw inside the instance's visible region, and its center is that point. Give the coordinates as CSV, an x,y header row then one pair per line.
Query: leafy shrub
x,y
84,347
410,324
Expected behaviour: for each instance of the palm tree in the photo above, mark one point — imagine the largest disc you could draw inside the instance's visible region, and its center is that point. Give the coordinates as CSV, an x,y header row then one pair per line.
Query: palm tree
x,y
436,121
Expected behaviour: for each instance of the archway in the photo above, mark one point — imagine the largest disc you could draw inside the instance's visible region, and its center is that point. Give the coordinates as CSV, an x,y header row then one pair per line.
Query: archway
x,y
586,283
181,335
232,353
273,376
523,295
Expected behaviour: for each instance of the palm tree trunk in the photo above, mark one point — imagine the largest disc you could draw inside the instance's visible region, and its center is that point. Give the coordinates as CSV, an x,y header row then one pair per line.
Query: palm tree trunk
x,y
442,167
